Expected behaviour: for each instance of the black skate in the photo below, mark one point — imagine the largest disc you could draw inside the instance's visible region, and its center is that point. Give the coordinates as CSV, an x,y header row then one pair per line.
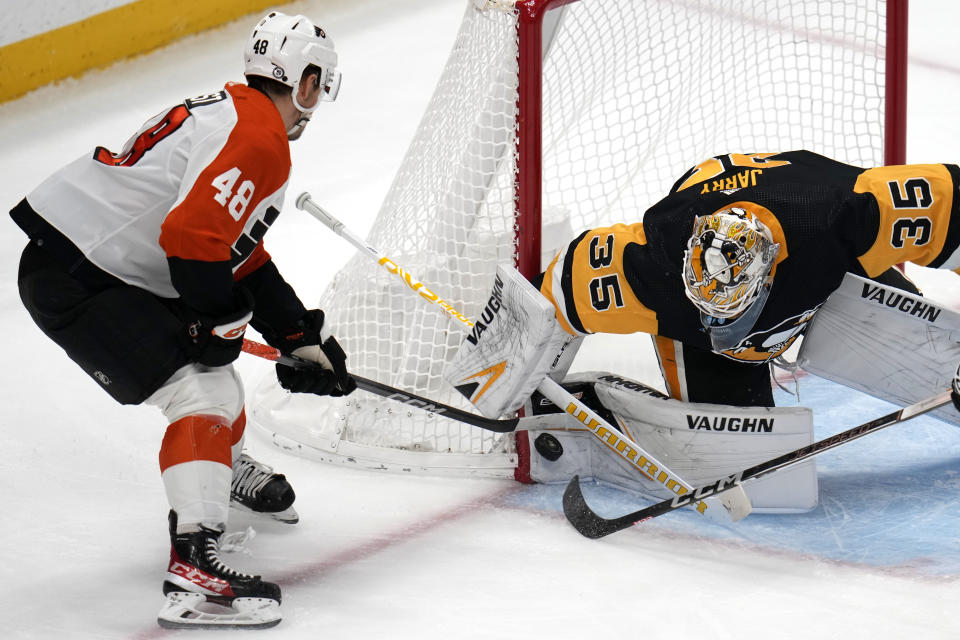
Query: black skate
x,y
257,489
203,592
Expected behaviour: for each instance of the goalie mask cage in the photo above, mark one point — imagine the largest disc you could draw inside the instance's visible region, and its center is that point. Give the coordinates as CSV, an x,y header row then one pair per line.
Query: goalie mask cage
x,y
555,116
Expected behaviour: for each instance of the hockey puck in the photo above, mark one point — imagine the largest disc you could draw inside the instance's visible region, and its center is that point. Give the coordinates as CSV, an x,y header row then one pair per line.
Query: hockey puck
x,y
548,446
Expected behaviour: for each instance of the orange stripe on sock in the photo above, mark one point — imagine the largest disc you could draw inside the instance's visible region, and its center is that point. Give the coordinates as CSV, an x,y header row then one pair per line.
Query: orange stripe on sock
x,y
238,426
667,352
198,437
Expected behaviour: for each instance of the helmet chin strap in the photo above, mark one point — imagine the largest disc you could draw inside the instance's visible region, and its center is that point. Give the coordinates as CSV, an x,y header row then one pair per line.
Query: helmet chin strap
x,y
300,107
296,130
726,334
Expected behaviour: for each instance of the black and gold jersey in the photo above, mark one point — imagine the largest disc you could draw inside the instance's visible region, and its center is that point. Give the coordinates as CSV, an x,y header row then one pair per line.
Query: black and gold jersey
x,y
828,217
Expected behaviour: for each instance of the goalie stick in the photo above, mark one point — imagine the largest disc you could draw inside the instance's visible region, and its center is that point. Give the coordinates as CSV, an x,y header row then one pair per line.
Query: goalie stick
x,y
736,503
591,525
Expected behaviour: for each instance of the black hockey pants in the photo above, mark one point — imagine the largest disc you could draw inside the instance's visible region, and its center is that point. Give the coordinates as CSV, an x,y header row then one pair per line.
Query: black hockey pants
x,y
122,336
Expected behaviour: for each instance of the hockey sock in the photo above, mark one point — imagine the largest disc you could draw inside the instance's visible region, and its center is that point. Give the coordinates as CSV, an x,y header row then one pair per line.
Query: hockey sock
x,y
195,462
237,432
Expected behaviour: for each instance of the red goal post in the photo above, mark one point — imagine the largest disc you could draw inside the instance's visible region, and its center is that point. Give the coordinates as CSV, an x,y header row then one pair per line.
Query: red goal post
x,y
530,23
554,116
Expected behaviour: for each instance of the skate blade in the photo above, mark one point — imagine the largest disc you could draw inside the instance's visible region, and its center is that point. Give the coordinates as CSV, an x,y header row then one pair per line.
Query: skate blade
x,y
287,516
186,610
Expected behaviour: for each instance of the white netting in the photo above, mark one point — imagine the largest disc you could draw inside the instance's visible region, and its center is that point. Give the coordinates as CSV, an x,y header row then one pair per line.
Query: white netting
x,y
634,93
648,89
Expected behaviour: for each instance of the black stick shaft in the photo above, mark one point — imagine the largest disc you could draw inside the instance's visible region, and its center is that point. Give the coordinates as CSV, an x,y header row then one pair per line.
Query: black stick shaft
x,y
378,388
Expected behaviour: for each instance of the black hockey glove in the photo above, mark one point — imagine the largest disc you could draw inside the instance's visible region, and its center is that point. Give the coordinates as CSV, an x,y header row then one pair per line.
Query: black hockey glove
x,y
955,395
216,342
306,340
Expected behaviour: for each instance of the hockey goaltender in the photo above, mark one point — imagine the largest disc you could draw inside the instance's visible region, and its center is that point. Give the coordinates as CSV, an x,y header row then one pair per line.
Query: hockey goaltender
x,y
726,273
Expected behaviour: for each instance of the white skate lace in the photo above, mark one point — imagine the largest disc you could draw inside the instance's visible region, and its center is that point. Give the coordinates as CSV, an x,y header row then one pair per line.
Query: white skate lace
x,y
212,553
251,476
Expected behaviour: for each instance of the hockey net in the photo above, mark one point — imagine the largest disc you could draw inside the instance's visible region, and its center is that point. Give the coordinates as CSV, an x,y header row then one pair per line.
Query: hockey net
x,y
630,93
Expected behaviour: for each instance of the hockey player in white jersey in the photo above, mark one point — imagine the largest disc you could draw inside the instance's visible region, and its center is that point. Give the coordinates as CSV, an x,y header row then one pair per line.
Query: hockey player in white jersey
x,y
146,265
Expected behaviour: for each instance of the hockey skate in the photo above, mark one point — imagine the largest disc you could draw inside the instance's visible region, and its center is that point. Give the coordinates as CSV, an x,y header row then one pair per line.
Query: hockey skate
x,y
257,489
203,592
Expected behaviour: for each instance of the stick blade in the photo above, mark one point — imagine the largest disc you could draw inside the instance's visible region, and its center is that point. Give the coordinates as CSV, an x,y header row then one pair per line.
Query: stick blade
x,y
736,502
584,519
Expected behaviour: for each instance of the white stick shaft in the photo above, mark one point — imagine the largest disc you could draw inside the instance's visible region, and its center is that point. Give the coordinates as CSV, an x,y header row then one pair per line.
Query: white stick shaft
x,y
305,203
619,443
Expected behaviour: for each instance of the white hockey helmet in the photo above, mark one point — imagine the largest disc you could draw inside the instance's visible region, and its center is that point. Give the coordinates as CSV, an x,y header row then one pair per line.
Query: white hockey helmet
x,y
282,46
728,262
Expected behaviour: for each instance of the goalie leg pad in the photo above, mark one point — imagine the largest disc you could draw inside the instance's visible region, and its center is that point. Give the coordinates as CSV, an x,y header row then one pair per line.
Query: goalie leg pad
x,y
511,348
700,442
884,341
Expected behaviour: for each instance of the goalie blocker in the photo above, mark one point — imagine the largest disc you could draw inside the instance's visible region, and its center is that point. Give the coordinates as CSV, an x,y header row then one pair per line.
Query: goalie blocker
x,y
497,374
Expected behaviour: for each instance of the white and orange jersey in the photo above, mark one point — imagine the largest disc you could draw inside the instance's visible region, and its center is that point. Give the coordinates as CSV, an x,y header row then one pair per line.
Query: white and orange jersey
x,y
202,181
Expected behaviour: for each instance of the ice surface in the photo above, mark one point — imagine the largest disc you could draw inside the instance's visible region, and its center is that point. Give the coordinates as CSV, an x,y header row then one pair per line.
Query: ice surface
x,y
83,541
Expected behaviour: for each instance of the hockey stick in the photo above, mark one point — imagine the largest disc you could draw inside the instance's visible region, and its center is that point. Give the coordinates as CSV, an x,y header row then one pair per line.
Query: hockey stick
x,y
503,425
306,204
588,523
737,504
392,393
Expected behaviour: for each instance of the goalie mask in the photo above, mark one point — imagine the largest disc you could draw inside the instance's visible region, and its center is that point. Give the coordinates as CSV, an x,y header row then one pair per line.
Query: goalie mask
x,y
726,272
281,47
